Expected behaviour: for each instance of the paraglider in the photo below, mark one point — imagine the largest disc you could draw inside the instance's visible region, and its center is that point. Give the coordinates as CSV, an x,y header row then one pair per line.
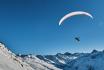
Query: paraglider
x,y
77,39
74,14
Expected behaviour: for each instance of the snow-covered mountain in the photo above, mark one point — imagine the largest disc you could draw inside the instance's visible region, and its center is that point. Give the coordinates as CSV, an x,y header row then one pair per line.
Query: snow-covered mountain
x,y
91,61
8,60
66,61
37,63
50,62
47,62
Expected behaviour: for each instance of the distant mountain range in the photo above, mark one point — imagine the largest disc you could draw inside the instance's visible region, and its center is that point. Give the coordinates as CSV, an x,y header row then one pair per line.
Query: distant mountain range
x,y
66,61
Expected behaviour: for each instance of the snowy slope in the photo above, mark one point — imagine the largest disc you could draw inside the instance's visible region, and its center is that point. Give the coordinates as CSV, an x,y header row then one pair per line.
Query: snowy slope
x,y
49,62
8,61
92,61
66,61
37,63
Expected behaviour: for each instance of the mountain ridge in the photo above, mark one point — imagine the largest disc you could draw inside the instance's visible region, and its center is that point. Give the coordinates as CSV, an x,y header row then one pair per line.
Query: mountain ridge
x,y
59,61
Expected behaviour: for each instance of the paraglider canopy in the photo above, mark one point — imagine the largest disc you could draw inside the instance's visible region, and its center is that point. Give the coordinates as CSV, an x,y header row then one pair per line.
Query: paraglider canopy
x,y
74,14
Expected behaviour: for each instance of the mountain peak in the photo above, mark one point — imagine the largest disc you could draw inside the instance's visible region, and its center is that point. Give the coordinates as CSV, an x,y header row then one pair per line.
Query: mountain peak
x,y
94,51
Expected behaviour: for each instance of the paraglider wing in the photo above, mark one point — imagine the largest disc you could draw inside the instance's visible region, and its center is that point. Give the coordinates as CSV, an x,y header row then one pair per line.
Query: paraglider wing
x,y
74,14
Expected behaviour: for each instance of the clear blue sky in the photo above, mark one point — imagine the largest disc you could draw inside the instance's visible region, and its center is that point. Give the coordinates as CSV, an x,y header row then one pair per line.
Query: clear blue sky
x,y
31,26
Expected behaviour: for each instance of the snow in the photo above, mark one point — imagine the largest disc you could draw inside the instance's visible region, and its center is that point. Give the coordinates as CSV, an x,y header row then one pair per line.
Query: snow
x,y
8,61
48,62
92,61
38,64
66,61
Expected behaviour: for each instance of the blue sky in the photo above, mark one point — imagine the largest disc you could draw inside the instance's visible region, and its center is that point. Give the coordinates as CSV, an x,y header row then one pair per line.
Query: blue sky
x,y
31,26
